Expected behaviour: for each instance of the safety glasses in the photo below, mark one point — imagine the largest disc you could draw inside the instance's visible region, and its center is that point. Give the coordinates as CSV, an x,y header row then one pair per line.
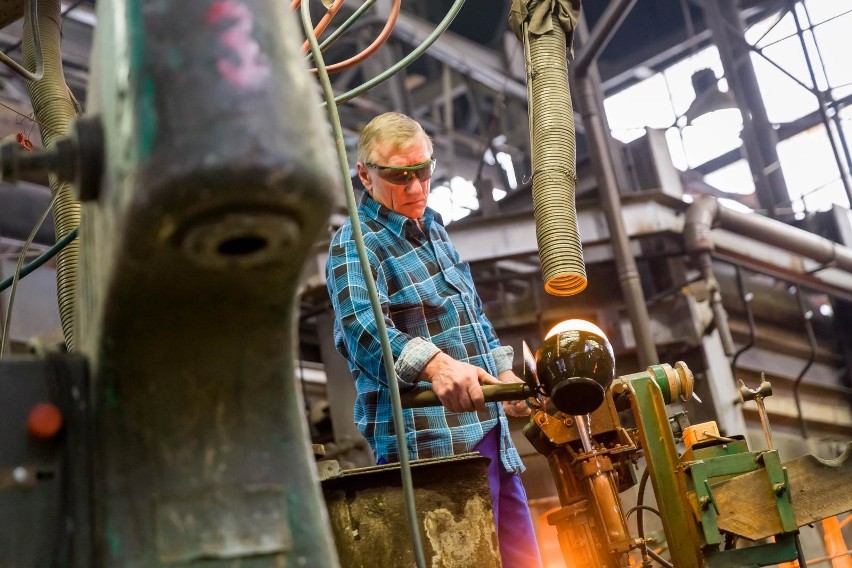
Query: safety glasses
x,y
403,175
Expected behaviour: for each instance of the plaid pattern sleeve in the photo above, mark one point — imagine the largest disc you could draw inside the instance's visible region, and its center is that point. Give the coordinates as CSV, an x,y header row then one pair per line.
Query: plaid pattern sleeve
x,y
429,304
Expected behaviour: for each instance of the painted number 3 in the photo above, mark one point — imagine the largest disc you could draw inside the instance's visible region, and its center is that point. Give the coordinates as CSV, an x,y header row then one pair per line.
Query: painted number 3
x,y
246,65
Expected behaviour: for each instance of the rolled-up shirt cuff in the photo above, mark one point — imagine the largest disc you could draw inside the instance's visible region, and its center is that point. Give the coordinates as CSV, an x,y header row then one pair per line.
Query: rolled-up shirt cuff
x,y
504,356
410,363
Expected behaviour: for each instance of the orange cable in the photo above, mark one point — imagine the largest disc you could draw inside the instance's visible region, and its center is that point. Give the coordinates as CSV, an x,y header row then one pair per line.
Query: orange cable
x,y
323,23
379,41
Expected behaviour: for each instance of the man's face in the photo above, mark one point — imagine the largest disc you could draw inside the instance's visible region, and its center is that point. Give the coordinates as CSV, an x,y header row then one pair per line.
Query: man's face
x,y
407,199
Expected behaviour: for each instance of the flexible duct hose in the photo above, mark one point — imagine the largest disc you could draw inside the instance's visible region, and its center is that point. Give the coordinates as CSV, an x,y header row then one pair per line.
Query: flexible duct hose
x,y
54,110
554,177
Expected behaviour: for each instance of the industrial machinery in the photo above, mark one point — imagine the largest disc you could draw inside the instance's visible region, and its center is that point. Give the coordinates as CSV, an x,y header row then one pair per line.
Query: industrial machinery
x,y
593,454
712,498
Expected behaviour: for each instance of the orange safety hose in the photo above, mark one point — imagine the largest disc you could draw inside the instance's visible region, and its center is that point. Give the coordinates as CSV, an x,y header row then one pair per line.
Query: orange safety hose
x,y
371,49
323,23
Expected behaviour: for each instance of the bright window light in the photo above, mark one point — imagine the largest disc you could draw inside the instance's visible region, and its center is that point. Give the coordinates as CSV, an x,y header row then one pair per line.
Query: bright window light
x,y
773,28
835,45
644,104
810,171
505,161
783,98
822,10
735,178
712,135
455,201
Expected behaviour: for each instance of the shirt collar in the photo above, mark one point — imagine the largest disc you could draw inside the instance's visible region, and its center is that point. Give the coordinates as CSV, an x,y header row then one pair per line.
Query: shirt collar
x,y
393,221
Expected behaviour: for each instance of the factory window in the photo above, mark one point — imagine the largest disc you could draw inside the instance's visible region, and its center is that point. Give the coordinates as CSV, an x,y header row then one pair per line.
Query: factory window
x,y
706,126
454,199
813,179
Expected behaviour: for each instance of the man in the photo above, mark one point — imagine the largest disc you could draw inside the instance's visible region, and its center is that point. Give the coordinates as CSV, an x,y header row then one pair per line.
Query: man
x,y
436,326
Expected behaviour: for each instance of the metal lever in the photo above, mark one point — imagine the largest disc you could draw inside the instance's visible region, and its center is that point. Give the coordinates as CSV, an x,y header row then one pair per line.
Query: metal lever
x,y
493,393
757,395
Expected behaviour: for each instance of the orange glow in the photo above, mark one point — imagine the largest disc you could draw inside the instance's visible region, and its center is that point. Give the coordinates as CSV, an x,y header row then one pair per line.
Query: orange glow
x,y
576,325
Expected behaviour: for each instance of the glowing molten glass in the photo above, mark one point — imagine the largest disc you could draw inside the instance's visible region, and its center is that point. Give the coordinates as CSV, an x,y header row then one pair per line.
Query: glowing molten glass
x,y
576,325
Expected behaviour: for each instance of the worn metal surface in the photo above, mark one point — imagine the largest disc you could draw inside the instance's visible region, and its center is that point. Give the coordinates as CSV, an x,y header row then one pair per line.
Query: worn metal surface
x,y
453,506
820,489
219,176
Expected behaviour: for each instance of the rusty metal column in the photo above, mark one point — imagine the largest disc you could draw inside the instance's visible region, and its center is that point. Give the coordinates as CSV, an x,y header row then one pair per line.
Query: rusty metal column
x,y
759,137
218,178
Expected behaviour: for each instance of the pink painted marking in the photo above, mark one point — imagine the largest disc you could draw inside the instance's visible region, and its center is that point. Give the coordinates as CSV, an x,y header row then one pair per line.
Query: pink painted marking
x,y
248,66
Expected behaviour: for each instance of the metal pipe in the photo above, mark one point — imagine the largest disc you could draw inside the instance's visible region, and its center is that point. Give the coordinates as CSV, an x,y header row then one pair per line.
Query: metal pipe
x,y
697,239
720,316
585,436
706,213
611,19
628,273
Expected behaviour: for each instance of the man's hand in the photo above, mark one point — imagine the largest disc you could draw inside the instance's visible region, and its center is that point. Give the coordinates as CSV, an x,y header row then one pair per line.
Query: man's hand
x,y
457,384
516,408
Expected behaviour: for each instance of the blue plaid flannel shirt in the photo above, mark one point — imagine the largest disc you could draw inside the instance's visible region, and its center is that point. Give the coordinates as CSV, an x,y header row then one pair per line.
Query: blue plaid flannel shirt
x,y
430,305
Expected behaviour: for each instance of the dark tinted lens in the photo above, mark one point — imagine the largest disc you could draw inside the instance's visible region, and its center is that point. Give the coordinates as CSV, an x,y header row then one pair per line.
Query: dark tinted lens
x,y
404,176
398,177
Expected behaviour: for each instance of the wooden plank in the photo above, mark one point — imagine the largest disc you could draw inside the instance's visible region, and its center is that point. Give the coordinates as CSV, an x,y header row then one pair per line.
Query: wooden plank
x,y
821,489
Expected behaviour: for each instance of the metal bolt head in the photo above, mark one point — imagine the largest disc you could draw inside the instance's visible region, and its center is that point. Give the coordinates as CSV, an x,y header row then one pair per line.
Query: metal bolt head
x,y
779,488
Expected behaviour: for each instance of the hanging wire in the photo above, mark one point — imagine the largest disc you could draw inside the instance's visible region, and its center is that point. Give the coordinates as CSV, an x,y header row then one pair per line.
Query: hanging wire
x,y
405,61
16,277
17,68
807,316
747,297
370,49
342,28
42,258
323,23
387,354
19,113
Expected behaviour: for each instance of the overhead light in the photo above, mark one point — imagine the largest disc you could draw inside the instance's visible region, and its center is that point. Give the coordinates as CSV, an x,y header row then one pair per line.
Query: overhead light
x,y
708,97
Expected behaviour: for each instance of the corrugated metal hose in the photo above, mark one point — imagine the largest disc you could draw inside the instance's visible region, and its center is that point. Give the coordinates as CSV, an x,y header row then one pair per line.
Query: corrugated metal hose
x,y
554,177
54,111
